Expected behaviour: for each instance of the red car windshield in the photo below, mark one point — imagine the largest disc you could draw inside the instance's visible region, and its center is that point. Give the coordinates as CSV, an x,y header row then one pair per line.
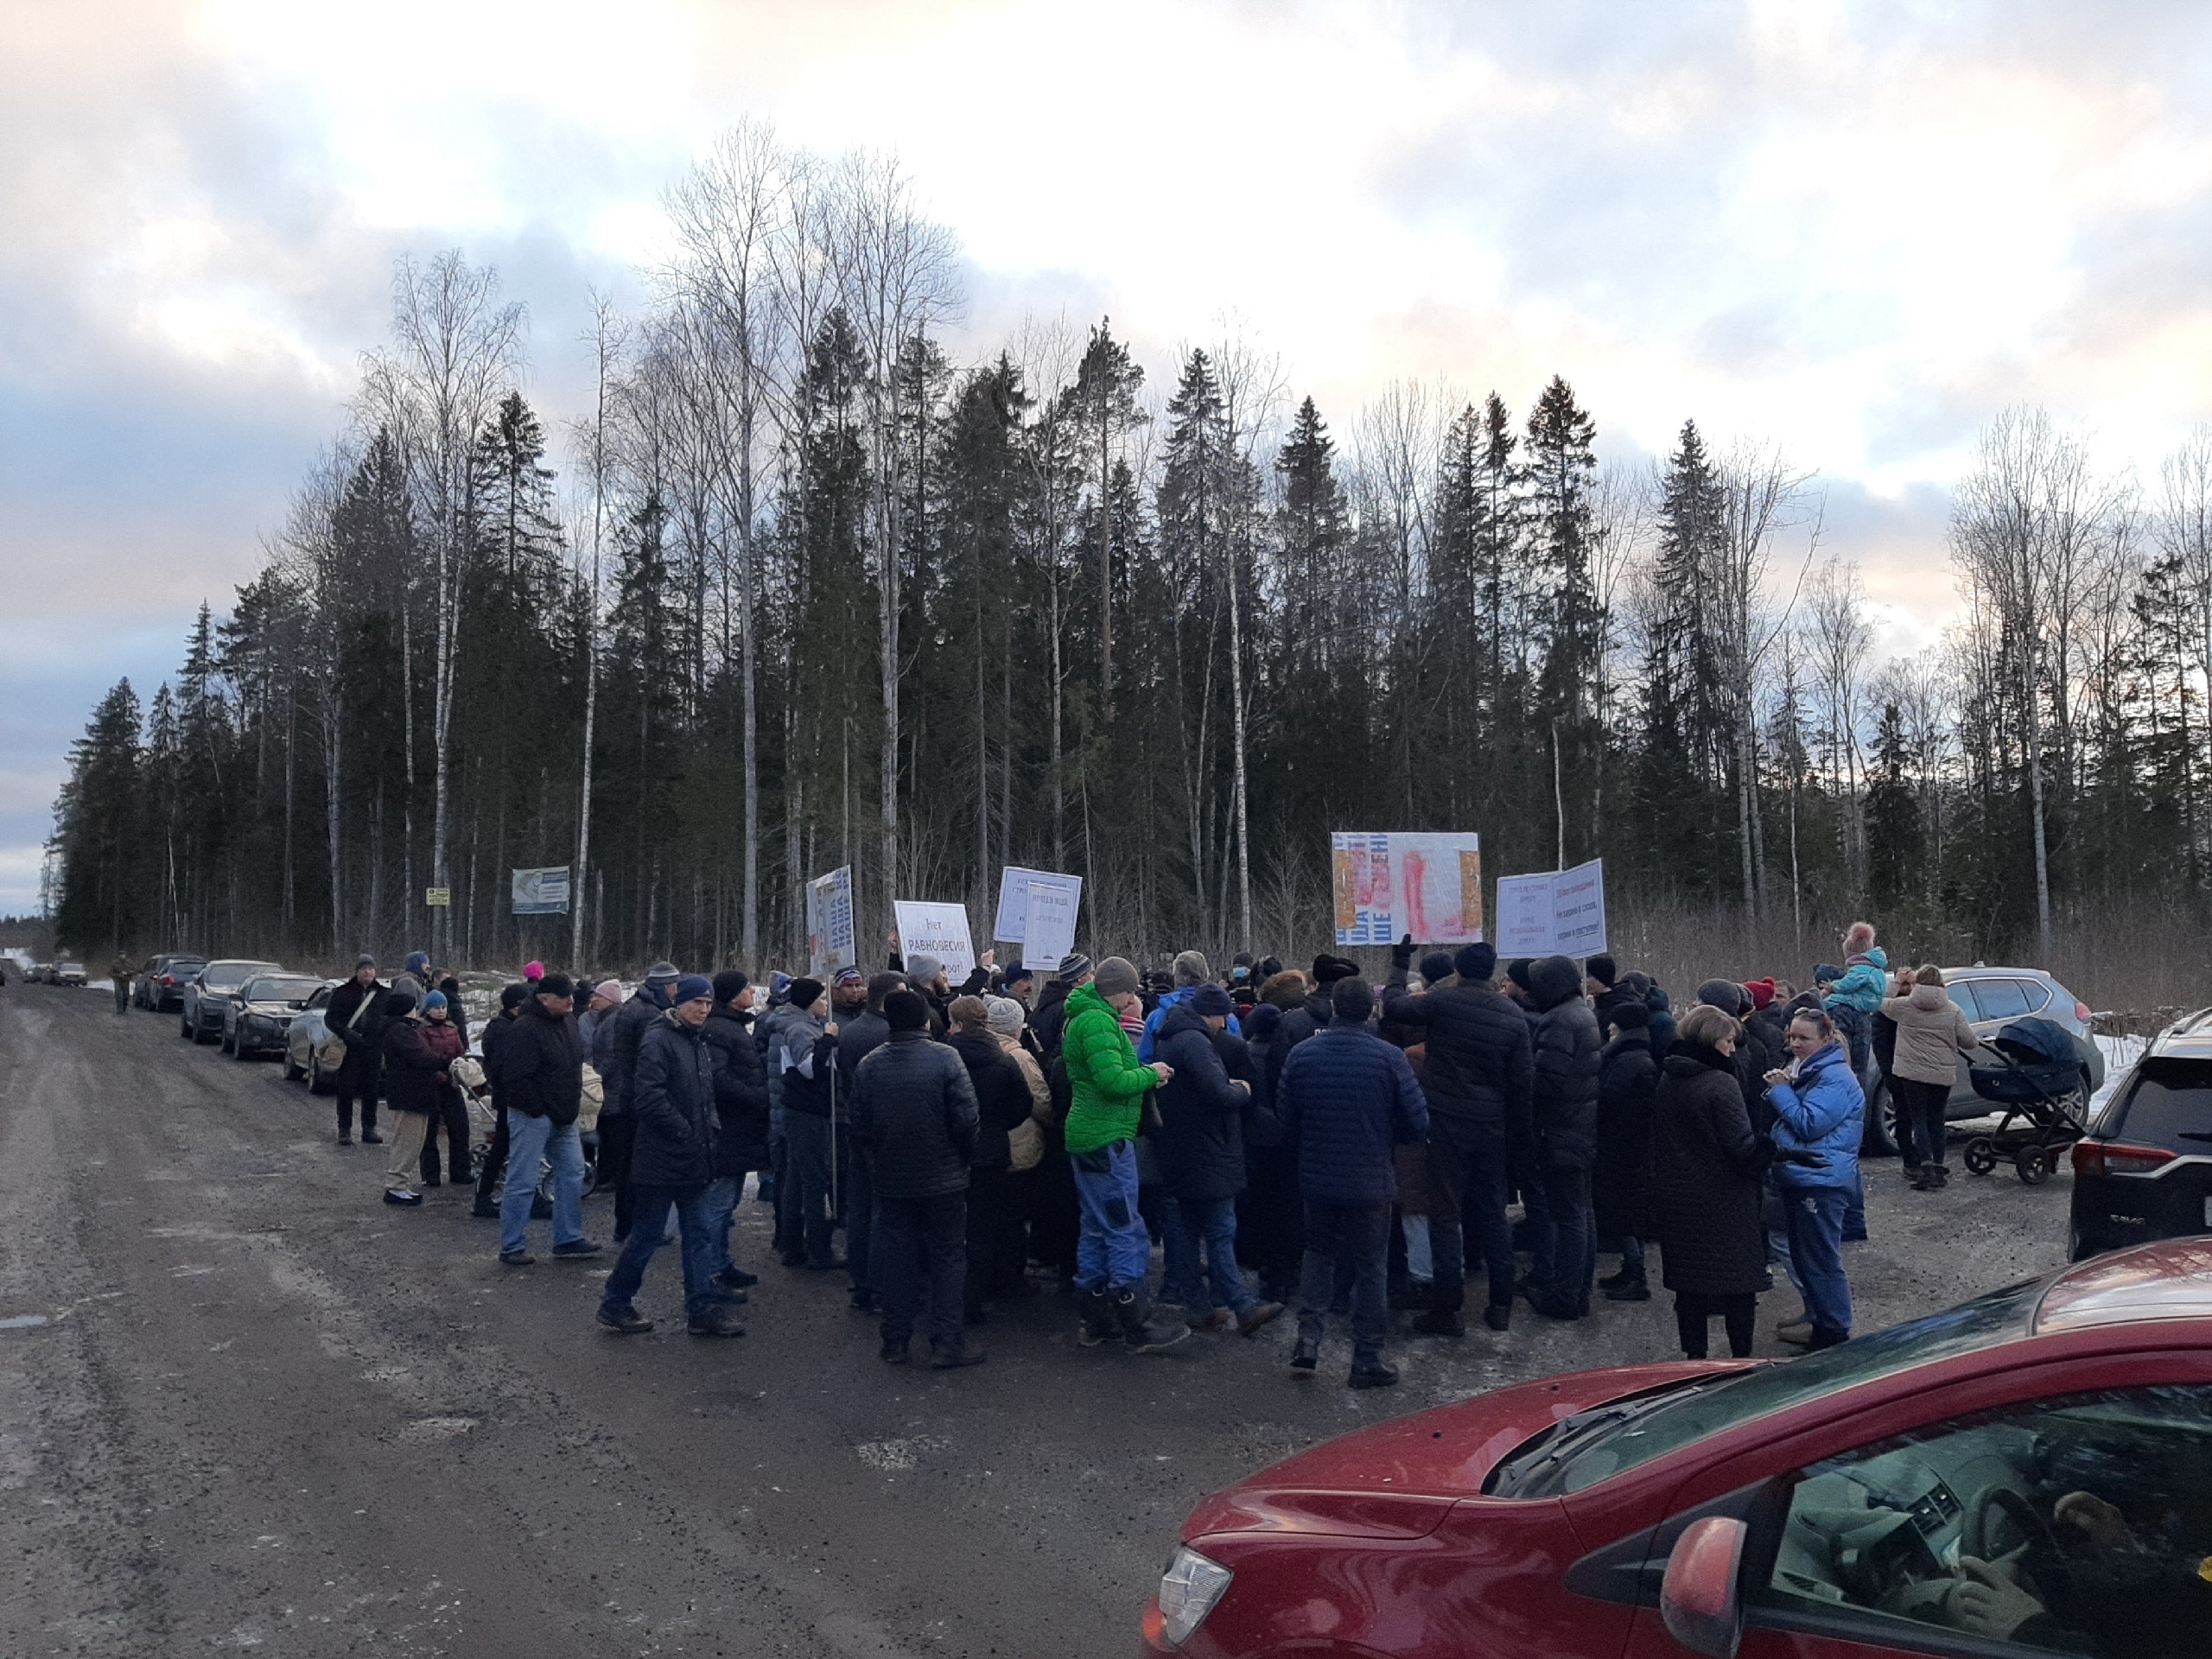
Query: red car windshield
x,y
1593,1445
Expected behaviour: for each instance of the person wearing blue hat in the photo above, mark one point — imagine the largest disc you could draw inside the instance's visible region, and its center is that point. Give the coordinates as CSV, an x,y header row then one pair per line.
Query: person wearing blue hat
x,y
672,1165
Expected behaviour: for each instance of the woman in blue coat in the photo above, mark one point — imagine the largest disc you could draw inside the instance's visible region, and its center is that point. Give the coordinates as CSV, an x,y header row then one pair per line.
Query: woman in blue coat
x,y
1819,1109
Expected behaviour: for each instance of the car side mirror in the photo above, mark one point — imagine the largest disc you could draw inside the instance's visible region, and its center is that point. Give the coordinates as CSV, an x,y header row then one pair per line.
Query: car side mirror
x,y
1698,1600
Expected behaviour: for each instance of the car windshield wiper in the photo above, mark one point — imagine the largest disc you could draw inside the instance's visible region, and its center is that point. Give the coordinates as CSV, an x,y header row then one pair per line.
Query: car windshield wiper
x,y
1528,1462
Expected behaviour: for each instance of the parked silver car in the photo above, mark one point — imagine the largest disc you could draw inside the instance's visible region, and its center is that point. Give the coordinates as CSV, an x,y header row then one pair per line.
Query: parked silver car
x,y
66,972
303,1040
1991,998
257,1016
201,1019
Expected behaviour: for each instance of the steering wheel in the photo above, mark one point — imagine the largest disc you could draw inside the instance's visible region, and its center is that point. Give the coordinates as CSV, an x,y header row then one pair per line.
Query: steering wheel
x,y
1974,1533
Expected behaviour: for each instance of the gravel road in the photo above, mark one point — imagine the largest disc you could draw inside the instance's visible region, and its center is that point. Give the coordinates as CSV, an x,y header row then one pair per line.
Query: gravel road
x,y
258,1408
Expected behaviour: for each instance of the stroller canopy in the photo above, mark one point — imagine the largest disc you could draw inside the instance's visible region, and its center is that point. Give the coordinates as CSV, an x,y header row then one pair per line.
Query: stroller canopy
x,y
2036,1042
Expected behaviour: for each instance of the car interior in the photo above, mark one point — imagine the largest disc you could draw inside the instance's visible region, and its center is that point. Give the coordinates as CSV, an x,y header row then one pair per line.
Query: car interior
x,y
2093,1512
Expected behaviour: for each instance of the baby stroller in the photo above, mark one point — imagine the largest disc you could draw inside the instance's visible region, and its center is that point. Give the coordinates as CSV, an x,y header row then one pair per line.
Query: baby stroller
x,y
2038,1080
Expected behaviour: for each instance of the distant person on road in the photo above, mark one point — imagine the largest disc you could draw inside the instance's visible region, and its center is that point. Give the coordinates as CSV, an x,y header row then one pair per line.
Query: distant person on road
x,y
672,1165
1818,1109
914,1110
354,1017
119,972
1348,1101
1107,1085
536,1072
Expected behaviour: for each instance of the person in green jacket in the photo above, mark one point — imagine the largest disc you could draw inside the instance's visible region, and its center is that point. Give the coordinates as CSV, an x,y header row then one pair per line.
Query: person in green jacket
x,y
1107,1084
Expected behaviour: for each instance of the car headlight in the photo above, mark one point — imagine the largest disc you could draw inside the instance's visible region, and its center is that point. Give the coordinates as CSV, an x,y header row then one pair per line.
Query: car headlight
x,y
1188,1591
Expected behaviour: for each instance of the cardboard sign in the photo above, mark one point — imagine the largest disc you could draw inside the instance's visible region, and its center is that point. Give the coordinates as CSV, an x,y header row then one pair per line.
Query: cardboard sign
x,y
939,930
1011,923
1387,885
1557,913
829,942
541,892
1051,923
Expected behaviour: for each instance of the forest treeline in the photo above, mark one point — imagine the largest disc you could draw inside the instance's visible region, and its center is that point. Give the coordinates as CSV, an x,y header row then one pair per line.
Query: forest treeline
x,y
798,590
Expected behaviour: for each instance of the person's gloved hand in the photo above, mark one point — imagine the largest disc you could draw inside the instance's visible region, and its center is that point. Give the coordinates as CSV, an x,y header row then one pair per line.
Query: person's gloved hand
x,y
1401,954
1803,1159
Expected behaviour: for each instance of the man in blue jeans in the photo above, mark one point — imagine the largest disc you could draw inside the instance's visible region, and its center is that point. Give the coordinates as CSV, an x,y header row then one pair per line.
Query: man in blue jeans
x,y
672,1163
1348,1101
536,1078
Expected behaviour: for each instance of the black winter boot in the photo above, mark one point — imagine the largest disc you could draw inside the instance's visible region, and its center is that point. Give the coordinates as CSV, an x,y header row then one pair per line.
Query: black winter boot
x,y
1098,1323
1142,1332
1630,1289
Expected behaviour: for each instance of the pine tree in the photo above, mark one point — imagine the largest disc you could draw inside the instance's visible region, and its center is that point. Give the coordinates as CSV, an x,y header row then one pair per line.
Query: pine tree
x,y
97,829
1103,408
1894,842
1562,465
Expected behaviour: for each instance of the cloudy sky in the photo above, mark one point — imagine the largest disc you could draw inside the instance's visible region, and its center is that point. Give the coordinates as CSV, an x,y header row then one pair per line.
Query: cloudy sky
x,y
1855,230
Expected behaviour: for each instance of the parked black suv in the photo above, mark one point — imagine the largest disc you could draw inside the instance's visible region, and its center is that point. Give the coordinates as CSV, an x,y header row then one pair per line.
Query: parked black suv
x,y
160,985
2144,1169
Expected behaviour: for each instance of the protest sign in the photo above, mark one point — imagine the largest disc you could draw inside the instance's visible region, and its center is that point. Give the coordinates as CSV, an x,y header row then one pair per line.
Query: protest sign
x,y
939,930
541,892
1557,913
1051,923
1011,924
829,943
1425,883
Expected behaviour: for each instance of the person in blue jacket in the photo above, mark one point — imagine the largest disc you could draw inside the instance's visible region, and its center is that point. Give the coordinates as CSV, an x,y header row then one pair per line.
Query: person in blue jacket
x,y
1818,1109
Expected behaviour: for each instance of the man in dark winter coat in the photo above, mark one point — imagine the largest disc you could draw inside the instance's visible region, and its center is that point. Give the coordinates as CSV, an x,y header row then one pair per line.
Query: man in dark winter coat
x,y
1270,1219
857,1038
1051,1013
914,1110
496,1031
1564,1105
1201,1142
1002,1104
1627,1076
672,1163
1348,1101
614,1053
536,1073
802,1056
1601,983
1314,1015
1477,1079
353,1016
740,1112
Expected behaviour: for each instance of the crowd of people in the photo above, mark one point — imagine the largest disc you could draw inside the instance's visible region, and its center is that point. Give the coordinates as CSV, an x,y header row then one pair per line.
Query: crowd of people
x,y
1288,1137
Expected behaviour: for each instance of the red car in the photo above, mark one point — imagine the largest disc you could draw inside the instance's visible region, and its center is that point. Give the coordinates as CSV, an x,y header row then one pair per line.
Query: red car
x,y
2029,1472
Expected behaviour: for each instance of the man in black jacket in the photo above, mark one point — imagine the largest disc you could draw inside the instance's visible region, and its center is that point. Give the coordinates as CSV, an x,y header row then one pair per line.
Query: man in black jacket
x,y
536,1074
741,1110
671,1165
915,1111
1002,1104
351,1016
614,1051
1476,1077
857,1038
1564,1106
497,1030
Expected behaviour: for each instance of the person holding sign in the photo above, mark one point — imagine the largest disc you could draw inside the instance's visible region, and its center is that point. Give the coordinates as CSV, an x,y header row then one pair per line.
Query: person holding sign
x,y
1107,1085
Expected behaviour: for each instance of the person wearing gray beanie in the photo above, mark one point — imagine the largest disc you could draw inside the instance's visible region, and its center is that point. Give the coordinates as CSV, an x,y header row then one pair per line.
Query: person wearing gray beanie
x,y
1116,976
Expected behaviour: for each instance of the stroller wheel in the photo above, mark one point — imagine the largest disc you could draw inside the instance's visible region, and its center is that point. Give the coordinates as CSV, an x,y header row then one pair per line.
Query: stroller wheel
x,y
1980,1156
2033,1163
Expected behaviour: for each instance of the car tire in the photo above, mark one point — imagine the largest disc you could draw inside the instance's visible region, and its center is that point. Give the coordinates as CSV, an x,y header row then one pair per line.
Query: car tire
x,y
1880,1140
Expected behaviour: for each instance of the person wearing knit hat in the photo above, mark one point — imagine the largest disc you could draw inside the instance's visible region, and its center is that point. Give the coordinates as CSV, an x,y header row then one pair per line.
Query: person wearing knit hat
x,y
1725,995
672,1167
1328,969
741,1116
1347,1100
1516,975
802,1061
1107,1085
606,997
615,1042
1475,1080
1628,1082
1435,967
533,972
351,1018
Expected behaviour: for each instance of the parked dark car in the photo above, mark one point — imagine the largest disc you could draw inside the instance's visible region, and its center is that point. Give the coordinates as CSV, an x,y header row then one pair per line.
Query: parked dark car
x,y
201,1015
1811,1508
161,983
2144,1169
258,1015
1991,998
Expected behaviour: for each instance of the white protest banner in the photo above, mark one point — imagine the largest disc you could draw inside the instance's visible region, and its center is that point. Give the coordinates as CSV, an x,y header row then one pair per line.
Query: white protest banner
x,y
1557,913
1012,924
1050,924
939,930
829,943
1425,883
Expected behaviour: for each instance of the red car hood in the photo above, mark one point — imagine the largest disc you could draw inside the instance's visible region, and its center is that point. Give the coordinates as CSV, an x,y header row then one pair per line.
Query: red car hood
x,y
1397,1479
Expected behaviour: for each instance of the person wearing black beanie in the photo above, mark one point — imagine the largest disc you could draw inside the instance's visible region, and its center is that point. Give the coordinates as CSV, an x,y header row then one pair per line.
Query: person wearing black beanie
x,y
914,1110
1477,1080
740,1076
1628,1084
1436,968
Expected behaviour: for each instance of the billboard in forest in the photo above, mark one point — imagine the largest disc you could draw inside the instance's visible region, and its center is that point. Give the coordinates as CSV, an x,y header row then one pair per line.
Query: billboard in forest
x,y
1389,883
